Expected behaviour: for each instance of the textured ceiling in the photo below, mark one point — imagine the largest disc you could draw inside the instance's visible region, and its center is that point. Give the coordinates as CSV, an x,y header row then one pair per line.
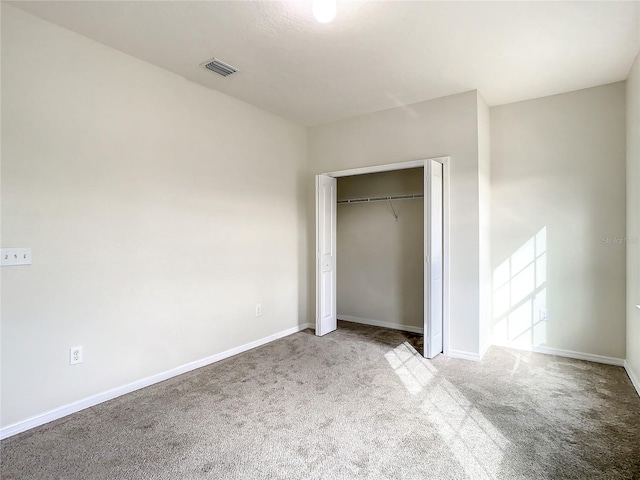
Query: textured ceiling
x,y
375,55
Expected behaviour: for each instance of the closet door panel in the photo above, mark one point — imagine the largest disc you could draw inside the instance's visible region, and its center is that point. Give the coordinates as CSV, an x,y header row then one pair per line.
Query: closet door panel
x,y
433,270
326,225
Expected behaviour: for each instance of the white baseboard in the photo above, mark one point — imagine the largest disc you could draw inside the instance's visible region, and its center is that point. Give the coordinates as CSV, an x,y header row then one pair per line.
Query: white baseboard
x,y
74,407
632,376
484,350
476,357
579,355
380,323
619,362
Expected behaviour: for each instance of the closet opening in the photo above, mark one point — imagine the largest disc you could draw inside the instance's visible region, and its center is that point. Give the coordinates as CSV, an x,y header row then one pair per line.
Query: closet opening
x,y
382,250
380,242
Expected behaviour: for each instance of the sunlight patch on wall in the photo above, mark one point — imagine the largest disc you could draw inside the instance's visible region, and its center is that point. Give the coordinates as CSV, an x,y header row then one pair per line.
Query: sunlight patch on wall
x,y
520,297
477,445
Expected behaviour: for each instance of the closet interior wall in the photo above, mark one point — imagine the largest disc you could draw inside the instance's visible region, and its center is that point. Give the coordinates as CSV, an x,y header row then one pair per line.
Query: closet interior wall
x,y
380,276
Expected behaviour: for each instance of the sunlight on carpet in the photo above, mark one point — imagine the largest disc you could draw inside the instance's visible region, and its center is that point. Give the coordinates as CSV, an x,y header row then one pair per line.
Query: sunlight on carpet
x,y
475,442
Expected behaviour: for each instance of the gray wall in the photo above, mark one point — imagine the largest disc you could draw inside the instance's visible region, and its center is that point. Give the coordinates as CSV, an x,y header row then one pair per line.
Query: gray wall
x,y
159,213
484,202
380,269
558,180
633,221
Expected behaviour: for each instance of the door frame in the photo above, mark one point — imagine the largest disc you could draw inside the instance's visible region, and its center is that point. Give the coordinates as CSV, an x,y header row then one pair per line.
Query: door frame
x,y
445,161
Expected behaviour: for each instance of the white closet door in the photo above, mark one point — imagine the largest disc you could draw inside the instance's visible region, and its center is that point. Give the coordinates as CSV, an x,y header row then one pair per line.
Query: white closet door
x,y
326,209
433,248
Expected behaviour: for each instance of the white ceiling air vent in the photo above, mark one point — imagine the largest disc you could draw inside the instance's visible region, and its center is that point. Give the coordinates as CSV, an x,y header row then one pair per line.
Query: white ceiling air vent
x,y
219,67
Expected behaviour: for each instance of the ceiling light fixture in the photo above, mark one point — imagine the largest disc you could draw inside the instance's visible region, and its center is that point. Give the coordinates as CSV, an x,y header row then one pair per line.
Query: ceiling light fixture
x,y
324,10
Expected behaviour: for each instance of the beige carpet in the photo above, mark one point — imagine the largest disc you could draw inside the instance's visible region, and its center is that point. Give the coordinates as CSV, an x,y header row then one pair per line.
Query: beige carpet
x,y
360,403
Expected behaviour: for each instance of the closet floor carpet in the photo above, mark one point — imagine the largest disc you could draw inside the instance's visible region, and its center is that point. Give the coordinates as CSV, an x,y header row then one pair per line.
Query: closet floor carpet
x,y
358,403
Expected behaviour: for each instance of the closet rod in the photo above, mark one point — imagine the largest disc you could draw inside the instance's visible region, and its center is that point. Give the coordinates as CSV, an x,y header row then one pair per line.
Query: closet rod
x,y
382,199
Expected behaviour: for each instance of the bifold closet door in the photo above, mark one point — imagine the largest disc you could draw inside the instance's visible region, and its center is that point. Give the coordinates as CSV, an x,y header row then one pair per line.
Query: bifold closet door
x,y
326,210
433,251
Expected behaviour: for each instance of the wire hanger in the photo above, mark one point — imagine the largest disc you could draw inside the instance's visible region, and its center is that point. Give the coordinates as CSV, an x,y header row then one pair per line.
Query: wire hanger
x,y
393,209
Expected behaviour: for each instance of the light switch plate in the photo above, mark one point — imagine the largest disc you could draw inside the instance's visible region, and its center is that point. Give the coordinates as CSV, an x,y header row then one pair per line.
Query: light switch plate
x,y
15,256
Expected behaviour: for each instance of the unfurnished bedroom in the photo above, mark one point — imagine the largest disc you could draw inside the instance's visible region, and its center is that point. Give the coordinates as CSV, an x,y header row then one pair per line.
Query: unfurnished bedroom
x,y
320,240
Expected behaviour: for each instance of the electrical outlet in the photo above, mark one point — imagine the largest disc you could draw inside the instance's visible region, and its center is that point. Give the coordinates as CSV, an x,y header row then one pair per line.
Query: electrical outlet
x,y
258,309
544,315
75,355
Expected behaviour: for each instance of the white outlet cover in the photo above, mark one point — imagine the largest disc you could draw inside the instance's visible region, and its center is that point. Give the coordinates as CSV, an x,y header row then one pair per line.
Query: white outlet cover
x,y
544,314
75,355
